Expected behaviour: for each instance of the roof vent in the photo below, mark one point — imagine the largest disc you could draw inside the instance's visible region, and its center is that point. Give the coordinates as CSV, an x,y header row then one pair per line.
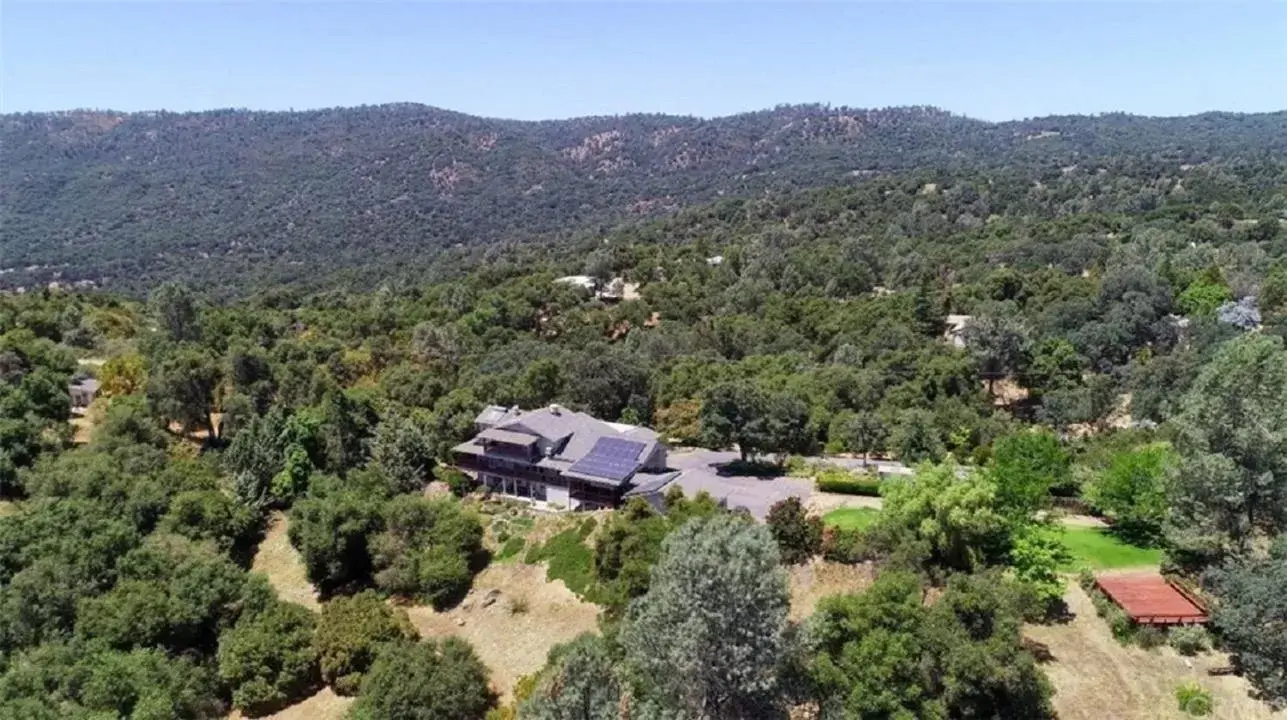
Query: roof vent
x,y
556,409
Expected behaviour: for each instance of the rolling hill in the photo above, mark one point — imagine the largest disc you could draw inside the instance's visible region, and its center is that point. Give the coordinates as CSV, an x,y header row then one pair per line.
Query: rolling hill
x,y
239,199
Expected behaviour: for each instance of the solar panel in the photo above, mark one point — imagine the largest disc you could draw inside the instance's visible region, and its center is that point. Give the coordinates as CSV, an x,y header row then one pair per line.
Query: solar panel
x,y
617,449
610,458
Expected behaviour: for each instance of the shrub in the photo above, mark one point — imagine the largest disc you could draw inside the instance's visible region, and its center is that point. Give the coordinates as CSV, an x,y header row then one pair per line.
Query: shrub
x,y
1119,623
798,535
442,576
426,549
1121,626
458,482
350,633
1086,579
1036,558
835,480
269,659
518,605
752,468
1149,637
425,681
844,546
798,466
1193,700
1189,640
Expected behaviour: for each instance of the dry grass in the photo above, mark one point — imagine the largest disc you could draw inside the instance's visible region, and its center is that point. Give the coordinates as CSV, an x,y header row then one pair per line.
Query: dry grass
x,y
1096,678
84,429
325,705
511,644
821,503
817,579
7,508
1007,392
277,559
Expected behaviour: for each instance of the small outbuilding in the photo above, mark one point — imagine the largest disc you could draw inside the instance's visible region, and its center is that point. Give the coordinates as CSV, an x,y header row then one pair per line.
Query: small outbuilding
x,y
82,391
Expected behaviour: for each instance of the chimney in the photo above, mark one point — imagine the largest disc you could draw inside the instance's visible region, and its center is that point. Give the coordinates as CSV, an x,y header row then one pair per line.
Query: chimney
x,y
555,410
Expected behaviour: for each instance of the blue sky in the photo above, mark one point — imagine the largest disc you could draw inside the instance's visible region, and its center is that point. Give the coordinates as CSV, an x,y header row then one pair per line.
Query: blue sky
x,y
543,60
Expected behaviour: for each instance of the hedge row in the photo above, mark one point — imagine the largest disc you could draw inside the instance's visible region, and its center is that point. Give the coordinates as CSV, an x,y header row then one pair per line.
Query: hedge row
x,y
848,483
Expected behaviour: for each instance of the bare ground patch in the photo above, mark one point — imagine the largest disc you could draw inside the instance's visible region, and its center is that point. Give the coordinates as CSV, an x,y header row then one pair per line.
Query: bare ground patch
x,y
526,616
816,579
7,508
83,429
1076,520
280,562
1095,677
324,705
821,503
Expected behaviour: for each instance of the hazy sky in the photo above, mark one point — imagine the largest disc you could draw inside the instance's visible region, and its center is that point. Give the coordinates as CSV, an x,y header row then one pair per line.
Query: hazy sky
x,y
543,60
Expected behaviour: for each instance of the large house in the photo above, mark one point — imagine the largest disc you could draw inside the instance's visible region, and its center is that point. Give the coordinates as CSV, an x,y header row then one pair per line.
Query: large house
x,y
560,458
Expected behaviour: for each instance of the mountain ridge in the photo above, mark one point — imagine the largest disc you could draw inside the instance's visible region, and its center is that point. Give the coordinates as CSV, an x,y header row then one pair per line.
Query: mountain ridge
x,y
127,198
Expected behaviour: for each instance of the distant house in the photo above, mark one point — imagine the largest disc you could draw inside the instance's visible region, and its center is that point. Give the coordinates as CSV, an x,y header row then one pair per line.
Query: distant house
x,y
82,391
614,290
955,330
555,457
584,282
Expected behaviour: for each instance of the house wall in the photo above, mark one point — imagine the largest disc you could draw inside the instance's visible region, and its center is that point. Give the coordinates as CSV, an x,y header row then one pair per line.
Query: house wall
x,y
556,495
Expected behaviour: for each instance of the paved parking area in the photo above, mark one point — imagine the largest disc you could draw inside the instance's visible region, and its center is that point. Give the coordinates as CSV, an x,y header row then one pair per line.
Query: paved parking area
x,y
699,470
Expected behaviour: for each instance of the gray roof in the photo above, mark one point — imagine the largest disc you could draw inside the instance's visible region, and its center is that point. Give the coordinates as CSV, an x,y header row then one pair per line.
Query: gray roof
x,y
507,437
580,430
575,432
647,483
88,383
495,415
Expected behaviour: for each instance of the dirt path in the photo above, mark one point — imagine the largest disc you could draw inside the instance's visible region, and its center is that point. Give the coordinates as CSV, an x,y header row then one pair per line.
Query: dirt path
x,y
324,705
278,560
1083,521
512,640
1096,678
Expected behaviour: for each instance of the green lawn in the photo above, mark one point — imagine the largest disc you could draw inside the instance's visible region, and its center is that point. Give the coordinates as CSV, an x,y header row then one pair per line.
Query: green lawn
x,y
1100,550
570,559
851,518
511,549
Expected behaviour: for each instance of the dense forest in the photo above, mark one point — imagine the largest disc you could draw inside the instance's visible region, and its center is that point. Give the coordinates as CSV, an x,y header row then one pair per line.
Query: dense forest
x,y
240,199
1093,319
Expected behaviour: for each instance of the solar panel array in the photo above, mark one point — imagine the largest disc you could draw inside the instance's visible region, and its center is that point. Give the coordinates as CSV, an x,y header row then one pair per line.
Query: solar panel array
x,y
610,458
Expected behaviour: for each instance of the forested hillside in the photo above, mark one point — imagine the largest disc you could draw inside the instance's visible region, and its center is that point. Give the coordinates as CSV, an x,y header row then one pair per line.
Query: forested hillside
x,y
238,199
1092,320
1123,353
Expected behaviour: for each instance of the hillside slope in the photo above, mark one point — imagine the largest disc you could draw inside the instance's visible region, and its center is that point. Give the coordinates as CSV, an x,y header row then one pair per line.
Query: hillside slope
x,y
250,197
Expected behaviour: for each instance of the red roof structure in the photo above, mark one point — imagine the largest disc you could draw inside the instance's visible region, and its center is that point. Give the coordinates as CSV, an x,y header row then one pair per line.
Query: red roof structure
x,y
1149,599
